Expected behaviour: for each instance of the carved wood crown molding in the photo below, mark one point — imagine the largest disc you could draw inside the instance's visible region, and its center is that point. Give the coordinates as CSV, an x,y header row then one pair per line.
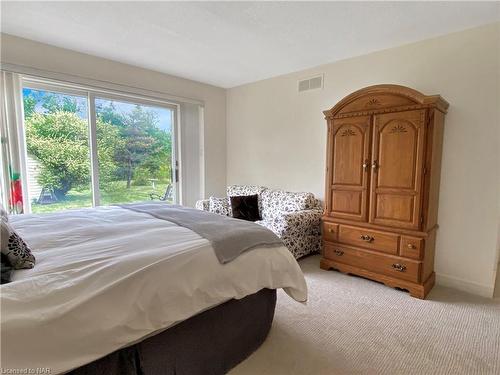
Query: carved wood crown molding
x,y
373,102
379,111
384,98
399,128
348,133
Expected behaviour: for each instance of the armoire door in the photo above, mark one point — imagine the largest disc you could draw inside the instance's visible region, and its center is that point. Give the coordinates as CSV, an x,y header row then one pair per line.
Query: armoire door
x,y
397,169
350,167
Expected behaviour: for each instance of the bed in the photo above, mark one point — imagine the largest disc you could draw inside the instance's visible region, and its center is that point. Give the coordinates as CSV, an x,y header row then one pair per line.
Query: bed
x,y
120,291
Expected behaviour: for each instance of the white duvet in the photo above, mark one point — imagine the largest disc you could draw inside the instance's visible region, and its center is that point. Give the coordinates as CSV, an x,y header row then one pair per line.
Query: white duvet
x,y
108,277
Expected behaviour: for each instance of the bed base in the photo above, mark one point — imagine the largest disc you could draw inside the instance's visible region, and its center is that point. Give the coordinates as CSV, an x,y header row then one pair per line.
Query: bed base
x,y
211,342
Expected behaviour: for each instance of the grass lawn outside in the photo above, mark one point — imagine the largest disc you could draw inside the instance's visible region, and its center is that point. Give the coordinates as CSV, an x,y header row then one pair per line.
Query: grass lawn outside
x,y
118,193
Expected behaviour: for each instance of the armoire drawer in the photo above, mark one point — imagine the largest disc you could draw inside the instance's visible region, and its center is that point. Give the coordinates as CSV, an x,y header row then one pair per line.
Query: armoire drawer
x,y
370,239
396,267
330,231
411,247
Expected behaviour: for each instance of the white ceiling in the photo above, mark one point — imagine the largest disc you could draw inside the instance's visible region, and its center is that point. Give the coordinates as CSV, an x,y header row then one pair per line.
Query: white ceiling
x,y
229,44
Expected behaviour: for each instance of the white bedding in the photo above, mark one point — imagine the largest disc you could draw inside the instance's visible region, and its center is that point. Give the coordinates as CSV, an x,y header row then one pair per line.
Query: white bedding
x,y
108,277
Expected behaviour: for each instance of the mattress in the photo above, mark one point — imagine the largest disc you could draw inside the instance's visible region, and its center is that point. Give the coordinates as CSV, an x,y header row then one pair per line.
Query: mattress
x,y
107,278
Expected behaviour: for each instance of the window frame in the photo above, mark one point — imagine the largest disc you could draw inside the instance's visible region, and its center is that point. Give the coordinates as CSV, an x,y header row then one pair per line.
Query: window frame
x,y
91,93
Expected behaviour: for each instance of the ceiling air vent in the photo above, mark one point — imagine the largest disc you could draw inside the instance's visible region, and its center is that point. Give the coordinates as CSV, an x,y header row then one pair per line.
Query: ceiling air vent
x,y
311,83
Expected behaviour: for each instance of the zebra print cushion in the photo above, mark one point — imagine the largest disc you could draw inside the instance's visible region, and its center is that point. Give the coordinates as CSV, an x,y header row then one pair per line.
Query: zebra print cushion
x,y
220,206
14,248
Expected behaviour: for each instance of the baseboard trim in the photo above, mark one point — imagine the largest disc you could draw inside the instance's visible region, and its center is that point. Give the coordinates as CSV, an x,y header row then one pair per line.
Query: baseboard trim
x,y
464,285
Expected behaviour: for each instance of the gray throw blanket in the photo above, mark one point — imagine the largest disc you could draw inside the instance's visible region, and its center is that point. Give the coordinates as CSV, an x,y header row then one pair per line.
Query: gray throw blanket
x,y
229,237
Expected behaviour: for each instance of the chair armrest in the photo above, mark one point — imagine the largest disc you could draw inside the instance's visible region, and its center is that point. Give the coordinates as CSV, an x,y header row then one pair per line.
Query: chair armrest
x,y
203,204
304,221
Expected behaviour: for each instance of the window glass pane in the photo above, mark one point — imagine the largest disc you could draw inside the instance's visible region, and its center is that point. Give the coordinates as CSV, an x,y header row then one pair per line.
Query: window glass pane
x,y
57,143
134,146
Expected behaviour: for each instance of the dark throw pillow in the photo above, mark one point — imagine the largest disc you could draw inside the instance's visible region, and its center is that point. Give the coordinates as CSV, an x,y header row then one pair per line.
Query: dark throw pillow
x,y
14,248
6,270
246,207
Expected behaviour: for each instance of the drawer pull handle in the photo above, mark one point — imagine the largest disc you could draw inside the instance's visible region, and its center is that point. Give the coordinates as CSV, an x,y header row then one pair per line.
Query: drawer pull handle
x,y
399,267
330,230
411,246
367,238
338,253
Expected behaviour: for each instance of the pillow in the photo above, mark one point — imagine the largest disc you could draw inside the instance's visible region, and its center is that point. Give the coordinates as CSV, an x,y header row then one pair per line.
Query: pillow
x,y
246,207
219,206
239,190
6,269
14,248
276,202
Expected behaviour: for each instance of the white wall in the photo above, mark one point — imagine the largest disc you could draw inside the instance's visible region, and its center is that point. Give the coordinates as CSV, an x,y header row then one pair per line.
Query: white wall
x,y
277,137
48,58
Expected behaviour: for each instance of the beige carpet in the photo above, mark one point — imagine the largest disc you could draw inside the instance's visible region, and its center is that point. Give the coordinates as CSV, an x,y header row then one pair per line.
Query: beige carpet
x,y
354,326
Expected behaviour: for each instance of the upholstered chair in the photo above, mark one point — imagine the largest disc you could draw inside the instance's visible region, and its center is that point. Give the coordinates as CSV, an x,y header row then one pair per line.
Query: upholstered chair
x,y
293,217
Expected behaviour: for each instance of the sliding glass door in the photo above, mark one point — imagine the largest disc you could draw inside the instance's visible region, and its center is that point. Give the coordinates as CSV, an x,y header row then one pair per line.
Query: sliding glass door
x,y
134,146
86,149
58,153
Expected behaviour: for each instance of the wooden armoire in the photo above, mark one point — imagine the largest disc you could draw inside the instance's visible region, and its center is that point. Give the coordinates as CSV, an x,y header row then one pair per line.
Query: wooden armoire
x,y
383,166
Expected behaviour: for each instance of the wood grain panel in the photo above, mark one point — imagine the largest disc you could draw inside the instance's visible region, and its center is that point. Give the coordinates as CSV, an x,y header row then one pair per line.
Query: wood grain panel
x,y
395,207
347,202
330,231
385,264
376,102
417,290
370,239
411,247
433,162
397,167
350,140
